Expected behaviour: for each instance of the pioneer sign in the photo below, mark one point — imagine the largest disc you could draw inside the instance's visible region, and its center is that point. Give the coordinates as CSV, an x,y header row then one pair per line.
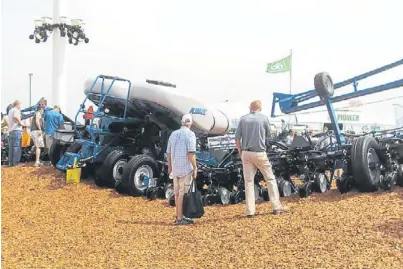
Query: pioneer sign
x,y
346,117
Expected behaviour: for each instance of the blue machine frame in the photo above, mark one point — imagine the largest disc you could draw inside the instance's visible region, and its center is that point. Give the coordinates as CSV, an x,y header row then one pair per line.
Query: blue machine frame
x,y
30,111
103,95
289,103
91,149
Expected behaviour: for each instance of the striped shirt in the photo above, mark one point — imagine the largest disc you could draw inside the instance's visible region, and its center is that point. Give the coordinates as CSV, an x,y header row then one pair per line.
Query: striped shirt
x,y
180,143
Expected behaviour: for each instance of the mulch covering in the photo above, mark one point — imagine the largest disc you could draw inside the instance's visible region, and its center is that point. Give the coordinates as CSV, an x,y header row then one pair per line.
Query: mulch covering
x,y
49,224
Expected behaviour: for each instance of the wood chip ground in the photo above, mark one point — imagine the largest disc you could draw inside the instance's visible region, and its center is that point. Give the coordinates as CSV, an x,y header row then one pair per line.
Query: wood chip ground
x,y
49,224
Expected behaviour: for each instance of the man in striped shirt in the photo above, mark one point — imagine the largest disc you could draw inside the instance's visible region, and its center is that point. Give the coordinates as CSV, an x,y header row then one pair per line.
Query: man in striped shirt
x,y
181,152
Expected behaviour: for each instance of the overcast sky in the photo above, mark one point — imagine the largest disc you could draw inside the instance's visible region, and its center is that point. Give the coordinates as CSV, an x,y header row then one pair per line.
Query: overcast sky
x,y
216,50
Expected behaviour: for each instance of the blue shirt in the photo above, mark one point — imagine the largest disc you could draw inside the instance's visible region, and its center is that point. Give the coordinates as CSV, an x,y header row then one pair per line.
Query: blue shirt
x,y
53,121
180,143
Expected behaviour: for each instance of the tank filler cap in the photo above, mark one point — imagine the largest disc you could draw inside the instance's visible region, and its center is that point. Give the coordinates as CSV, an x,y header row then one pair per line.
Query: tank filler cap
x,y
161,83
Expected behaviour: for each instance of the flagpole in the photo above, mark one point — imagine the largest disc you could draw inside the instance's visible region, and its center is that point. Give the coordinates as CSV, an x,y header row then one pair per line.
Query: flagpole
x,y
289,117
290,69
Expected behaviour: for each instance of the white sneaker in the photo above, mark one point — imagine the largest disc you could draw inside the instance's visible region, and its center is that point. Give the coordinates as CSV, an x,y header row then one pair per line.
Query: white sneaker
x,y
37,164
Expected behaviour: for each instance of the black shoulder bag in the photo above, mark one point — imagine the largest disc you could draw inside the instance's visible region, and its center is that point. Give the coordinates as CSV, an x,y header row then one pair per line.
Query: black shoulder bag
x,y
192,203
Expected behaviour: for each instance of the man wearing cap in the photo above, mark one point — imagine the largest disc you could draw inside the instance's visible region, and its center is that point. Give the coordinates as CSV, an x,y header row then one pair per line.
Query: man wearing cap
x,y
181,151
251,134
53,121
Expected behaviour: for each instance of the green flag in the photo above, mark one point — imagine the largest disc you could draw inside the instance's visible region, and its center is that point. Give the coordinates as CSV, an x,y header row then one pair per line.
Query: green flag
x,y
280,66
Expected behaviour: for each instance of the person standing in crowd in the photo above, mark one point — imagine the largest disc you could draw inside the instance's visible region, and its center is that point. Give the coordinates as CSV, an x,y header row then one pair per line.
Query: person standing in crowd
x,y
4,126
25,136
181,152
250,137
14,130
290,137
53,121
44,105
37,134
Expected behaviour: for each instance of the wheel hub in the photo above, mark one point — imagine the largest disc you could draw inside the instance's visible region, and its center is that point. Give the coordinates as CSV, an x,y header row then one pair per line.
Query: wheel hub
x,y
285,187
224,196
373,163
322,182
144,170
118,169
287,190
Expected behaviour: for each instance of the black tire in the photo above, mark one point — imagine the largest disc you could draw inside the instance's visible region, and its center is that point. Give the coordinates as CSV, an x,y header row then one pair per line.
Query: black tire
x,y
399,179
224,195
343,184
323,84
168,190
112,168
284,187
366,168
237,197
305,190
209,199
56,152
171,200
321,183
75,147
133,169
88,170
354,161
151,193
99,177
119,187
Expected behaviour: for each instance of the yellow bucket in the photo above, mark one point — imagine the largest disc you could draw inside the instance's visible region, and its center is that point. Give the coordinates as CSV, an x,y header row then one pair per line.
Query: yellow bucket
x,y
73,175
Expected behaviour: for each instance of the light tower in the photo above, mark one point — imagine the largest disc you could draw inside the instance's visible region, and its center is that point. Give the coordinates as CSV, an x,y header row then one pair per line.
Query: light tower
x,y
62,28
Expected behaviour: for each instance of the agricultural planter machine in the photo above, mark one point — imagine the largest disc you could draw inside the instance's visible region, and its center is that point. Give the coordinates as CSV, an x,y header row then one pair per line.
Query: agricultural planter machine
x,y
123,143
371,161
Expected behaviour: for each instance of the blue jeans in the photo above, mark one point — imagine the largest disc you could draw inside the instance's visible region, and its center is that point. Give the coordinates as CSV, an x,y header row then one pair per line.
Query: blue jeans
x,y
14,151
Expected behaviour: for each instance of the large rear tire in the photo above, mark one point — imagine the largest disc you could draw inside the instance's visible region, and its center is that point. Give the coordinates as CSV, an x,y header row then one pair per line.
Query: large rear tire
x,y
132,171
366,164
112,168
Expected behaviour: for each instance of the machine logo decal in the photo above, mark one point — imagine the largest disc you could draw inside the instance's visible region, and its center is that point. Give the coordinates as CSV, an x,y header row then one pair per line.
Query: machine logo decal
x,y
198,111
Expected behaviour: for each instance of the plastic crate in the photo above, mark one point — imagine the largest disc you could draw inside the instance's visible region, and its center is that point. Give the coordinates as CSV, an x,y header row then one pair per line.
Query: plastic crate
x,y
64,136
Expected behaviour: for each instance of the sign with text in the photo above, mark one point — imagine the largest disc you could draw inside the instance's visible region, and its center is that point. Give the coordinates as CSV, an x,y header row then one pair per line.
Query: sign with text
x,y
346,117
222,142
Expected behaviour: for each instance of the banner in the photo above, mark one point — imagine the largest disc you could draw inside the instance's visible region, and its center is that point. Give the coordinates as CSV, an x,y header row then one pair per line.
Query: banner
x,y
280,66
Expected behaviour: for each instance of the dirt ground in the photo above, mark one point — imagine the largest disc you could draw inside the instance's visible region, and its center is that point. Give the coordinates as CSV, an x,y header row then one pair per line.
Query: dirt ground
x,y
48,224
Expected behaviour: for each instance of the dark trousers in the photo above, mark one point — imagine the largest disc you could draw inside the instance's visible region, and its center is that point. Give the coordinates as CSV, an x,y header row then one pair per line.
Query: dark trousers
x,y
14,152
